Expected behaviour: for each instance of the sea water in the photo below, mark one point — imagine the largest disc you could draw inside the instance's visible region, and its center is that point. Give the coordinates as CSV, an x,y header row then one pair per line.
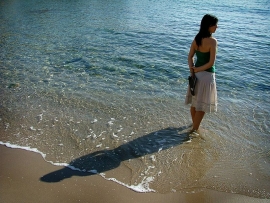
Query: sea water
x,y
99,86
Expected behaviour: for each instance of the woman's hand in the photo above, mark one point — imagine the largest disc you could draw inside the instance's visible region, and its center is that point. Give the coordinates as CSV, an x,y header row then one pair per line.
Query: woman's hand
x,y
193,69
196,69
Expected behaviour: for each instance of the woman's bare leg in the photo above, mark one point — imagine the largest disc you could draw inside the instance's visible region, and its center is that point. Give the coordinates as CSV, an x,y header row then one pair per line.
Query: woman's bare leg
x,y
197,117
192,113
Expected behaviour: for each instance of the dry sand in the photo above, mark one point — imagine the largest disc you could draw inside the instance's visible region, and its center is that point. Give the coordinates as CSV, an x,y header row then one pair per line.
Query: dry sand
x,y
20,171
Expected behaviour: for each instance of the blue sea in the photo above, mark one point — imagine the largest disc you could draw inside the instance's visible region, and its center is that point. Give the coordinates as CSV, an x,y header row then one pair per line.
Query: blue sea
x,y
99,86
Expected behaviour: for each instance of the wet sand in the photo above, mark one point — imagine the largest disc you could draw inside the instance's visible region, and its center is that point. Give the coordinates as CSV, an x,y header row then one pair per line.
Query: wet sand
x,y
21,170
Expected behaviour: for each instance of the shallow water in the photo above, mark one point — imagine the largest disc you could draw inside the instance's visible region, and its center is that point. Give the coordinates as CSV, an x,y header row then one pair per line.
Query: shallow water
x,y
78,78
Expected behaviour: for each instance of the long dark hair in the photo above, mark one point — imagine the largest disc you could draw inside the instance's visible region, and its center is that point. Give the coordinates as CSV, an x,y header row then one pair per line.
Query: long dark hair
x,y
207,21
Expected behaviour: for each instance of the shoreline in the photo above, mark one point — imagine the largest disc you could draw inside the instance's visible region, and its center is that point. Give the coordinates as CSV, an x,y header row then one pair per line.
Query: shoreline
x,y
21,170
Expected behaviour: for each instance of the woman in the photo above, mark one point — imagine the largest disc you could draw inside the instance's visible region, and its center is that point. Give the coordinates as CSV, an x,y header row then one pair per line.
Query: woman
x,y
204,46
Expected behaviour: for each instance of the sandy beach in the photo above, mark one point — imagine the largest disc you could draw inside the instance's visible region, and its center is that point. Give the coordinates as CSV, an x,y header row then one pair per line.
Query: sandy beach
x,y
21,170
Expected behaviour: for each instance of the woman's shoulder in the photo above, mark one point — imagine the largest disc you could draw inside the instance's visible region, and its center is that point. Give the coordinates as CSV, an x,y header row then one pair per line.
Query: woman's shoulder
x,y
194,44
211,41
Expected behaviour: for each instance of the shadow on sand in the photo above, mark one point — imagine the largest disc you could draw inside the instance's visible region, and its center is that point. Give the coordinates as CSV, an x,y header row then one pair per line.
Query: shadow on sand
x,y
105,160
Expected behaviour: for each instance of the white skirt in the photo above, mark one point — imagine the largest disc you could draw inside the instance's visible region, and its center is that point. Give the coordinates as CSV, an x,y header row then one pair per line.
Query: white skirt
x,y
205,98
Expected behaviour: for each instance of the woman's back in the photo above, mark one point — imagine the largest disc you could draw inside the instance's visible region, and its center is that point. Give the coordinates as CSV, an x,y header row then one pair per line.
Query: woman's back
x,y
206,44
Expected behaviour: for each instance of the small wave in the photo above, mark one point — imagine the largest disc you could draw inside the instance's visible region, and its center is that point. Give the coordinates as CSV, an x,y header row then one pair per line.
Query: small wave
x,y
13,146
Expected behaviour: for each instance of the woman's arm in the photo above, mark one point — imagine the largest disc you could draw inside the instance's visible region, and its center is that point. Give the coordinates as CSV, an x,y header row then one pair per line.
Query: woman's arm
x,y
213,51
191,56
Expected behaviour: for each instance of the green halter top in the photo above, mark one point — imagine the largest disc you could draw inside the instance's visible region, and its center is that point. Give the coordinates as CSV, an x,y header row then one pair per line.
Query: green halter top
x,y
203,58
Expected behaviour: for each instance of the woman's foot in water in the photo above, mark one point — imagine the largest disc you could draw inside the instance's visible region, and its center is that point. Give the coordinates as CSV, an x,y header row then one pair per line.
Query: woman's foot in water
x,y
194,134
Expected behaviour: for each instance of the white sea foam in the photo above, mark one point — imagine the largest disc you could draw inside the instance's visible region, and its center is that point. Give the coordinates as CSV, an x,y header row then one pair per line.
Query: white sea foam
x,y
6,126
114,135
13,146
94,121
32,128
141,187
110,122
153,158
